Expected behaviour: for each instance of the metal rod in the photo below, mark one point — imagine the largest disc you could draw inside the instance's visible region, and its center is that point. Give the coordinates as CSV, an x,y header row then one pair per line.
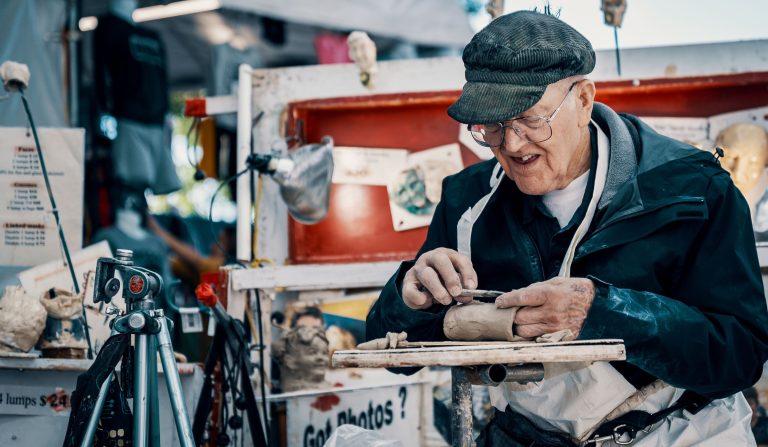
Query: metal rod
x,y
616,42
530,372
140,384
262,365
153,396
73,35
496,374
461,413
55,212
93,422
492,374
172,380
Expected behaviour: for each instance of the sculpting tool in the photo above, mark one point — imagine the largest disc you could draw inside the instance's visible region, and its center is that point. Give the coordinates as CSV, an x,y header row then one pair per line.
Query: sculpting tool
x,y
477,293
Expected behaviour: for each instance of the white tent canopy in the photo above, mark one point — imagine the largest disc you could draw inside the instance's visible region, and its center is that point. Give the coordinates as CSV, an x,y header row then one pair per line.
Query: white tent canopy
x,y
429,22
193,40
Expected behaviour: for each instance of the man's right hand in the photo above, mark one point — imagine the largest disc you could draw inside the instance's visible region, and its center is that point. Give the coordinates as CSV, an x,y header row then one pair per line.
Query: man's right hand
x,y
438,277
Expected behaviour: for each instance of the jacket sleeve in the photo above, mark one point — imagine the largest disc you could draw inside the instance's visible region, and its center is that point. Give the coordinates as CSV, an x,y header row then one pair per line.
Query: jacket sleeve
x,y
390,314
711,337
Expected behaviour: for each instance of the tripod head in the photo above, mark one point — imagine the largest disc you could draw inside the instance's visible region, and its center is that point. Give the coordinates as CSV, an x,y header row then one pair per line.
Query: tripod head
x,y
142,284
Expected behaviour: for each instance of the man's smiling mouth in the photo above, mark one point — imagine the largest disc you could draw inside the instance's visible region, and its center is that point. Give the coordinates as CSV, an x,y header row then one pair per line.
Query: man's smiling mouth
x,y
525,159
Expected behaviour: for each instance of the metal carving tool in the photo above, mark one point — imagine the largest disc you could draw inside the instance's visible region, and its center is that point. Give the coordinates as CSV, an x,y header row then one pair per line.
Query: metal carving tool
x,y
477,293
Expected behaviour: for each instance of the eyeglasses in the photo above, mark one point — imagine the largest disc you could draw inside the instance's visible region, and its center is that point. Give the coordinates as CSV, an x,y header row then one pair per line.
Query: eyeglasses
x,y
533,129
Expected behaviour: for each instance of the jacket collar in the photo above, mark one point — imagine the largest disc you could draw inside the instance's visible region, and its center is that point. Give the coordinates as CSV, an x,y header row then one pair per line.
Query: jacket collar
x,y
622,162
635,149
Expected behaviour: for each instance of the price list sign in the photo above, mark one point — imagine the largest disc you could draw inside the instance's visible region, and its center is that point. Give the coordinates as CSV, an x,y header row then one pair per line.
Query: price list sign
x,y
28,233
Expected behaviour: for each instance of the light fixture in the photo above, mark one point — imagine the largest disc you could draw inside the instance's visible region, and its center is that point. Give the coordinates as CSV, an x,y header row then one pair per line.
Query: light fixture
x,y
146,14
88,24
304,177
174,9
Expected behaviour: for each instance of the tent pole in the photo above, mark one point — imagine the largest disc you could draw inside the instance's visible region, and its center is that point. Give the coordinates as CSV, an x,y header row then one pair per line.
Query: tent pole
x,y
73,36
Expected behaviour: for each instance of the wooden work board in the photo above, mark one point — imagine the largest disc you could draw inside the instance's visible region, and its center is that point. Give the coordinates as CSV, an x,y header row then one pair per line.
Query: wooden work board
x,y
483,354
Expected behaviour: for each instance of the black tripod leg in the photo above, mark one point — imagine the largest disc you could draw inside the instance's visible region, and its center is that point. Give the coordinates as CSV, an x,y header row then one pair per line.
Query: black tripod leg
x,y
258,438
93,422
203,409
90,387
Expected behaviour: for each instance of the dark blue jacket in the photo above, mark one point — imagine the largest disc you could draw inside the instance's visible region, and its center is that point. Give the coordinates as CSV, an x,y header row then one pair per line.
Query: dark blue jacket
x,y
672,256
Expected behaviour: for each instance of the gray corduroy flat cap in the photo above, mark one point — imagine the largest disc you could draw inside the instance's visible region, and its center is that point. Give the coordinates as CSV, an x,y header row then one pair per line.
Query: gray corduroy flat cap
x,y
510,63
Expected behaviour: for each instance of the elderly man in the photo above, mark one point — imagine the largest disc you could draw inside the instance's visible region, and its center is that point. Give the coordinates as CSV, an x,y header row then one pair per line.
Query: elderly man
x,y
597,224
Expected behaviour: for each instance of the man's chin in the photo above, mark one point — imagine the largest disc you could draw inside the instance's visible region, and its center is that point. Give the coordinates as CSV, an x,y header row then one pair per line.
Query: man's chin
x,y
533,188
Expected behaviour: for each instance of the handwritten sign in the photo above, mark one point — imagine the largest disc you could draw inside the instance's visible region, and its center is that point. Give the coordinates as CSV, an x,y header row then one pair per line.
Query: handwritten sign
x,y
391,410
28,233
35,400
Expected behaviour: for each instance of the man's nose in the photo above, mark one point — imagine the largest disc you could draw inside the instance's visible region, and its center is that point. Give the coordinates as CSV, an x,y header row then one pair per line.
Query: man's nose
x,y
512,141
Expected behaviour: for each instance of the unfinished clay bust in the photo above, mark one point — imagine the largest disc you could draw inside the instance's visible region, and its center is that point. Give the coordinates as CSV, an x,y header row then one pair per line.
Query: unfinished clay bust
x,y
746,154
63,328
478,321
302,353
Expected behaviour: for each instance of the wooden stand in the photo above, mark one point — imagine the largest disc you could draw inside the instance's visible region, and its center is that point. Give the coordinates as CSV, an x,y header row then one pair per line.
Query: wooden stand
x,y
487,364
64,353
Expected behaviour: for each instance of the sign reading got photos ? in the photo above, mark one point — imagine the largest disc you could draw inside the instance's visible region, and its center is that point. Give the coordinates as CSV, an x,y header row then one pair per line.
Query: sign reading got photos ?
x,y
393,411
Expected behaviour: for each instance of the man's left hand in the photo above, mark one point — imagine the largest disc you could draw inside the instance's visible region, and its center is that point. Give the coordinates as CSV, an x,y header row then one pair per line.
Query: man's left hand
x,y
550,306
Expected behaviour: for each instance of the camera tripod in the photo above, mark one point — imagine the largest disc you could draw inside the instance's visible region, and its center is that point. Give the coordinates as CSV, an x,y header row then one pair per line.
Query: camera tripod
x,y
149,328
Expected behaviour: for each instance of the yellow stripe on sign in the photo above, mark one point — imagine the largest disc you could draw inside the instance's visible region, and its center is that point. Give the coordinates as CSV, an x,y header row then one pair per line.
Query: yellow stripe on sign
x,y
353,308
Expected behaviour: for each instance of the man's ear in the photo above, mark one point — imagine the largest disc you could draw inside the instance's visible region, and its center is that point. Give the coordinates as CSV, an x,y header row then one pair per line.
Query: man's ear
x,y
586,99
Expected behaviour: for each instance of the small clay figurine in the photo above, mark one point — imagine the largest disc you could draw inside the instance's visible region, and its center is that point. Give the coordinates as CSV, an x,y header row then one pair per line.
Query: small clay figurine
x,y
302,353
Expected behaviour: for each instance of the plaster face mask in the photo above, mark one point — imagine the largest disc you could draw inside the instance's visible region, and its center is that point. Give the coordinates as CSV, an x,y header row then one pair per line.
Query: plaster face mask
x,y
613,12
746,154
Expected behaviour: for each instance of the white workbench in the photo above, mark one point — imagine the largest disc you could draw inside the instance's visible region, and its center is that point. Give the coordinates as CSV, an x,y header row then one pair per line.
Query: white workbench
x,y
24,422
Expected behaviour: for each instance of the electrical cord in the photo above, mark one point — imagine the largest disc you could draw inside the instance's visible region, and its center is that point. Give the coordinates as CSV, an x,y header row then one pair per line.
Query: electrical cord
x,y
55,211
262,378
199,173
226,374
262,374
192,127
210,215
256,205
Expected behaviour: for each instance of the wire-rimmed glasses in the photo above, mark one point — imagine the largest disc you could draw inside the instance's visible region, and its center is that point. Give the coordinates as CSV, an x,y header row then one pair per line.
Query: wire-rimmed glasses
x,y
534,128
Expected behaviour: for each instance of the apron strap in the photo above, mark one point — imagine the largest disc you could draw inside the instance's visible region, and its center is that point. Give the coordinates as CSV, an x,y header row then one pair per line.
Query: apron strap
x,y
624,429
601,174
470,216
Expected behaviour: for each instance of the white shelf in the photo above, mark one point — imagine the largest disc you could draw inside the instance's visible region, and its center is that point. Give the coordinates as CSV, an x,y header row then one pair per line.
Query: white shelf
x,y
76,365
315,276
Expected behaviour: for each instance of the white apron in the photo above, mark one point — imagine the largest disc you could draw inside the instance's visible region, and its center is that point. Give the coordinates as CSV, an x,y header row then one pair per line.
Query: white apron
x,y
575,397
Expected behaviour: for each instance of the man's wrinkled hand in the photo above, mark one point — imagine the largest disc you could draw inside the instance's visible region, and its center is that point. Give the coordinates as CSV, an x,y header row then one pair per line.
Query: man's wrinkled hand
x,y
438,277
550,306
